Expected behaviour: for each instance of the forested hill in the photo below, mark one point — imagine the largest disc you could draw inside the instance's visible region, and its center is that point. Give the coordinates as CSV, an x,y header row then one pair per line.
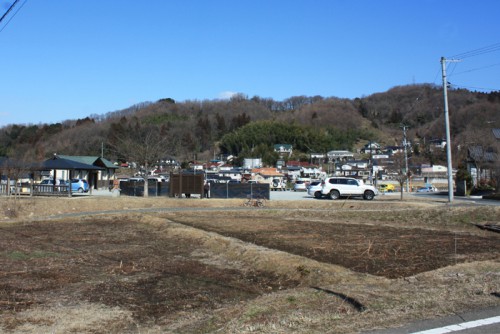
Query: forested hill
x,y
244,126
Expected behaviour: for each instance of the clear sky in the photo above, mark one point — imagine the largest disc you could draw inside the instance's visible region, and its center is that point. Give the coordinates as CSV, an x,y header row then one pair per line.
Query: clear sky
x,y
68,59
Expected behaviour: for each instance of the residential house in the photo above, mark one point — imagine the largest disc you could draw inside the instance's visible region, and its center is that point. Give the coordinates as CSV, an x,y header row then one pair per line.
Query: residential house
x,y
99,178
268,175
381,165
251,163
391,150
362,164
437,143
334,156
317,158
380,156
434,174
196,166
283,149
291,172
371,148
483,160
353,171
359,169
213,165
305,170
235,174
483,164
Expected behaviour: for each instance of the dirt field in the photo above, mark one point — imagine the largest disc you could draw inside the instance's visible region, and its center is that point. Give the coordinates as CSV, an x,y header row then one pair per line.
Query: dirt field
x,y
135,265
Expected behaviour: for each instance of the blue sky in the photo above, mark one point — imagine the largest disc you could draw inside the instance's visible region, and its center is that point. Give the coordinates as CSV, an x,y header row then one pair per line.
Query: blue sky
x,y
68,59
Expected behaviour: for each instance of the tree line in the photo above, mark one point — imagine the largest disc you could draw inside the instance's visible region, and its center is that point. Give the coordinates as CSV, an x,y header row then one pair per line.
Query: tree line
x,y
243,126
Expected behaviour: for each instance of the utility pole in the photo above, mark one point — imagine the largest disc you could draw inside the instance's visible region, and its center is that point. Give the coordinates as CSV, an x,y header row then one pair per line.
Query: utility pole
x,y
447,125
404,127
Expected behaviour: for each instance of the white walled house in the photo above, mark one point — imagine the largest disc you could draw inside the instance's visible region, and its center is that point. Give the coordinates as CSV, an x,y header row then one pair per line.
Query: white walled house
x,y
283,149
99,179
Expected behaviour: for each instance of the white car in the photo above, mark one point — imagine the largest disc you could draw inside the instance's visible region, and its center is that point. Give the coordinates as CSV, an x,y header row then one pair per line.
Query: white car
x,y
336,187
314,189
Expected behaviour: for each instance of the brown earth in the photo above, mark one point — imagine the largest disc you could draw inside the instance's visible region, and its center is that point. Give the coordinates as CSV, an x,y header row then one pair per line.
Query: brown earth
x,y
388,251
196,266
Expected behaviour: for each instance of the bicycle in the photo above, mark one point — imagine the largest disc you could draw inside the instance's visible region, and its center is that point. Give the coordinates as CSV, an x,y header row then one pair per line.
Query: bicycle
x,y
257,202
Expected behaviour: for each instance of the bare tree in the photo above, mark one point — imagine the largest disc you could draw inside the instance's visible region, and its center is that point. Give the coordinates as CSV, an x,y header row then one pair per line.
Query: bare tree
x,y
13,169
142,144
399,169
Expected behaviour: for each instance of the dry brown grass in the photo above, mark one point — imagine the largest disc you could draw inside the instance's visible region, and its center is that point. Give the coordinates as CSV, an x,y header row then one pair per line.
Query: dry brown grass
x,y
304,295
32,207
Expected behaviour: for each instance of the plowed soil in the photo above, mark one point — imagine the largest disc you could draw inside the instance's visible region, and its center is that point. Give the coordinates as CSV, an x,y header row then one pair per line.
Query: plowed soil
x,y
118,263
381,250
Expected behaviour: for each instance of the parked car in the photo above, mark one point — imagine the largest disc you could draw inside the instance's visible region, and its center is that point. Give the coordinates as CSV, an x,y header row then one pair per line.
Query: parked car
x,y
387,188
278,183
336,187
427,189
51,182
300,186
79,185
59,182
314,189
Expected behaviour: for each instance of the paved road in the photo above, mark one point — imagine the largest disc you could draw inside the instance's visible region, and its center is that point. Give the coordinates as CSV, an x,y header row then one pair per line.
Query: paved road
x,y
485,321
302,195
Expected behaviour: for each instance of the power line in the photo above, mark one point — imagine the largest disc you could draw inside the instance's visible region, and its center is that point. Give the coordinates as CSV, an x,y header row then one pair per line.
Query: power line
x,y
436,77
453,68
476,88
7,12
473,53
477,52
475,69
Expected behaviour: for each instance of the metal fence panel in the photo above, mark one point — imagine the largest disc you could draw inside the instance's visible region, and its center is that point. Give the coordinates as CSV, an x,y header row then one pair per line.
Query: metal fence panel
x,y
156,188
132,188
136,188
192,186
239,190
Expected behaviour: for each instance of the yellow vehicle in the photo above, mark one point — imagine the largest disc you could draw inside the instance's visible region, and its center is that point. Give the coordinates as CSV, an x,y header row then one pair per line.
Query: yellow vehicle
x,y
387,188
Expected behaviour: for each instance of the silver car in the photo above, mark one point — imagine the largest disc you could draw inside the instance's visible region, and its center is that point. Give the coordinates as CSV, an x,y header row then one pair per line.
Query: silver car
x,y
426,189
314,189
300,186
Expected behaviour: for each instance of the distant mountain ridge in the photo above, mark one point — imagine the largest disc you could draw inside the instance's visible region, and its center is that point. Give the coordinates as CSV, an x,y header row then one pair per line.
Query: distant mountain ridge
x,y
200,129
